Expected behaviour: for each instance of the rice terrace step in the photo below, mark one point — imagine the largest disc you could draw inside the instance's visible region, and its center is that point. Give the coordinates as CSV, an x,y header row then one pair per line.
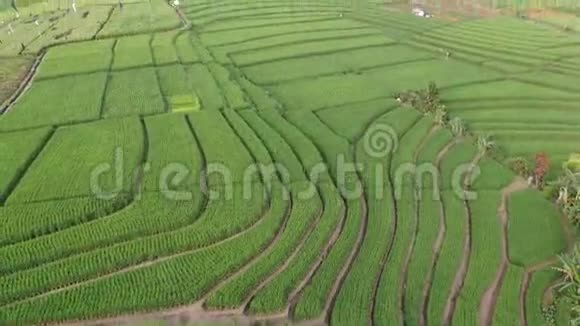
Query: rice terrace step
x,y
278,162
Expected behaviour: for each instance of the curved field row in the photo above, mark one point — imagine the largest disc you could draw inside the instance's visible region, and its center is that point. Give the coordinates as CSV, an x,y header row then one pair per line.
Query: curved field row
x,y
429,235
324,30
357,60
268,299
280,150
205,20
448,263
217,261
127,134
221,11
198,234
315,298
304,49
314,94
485,256
18,153
282,277
288,94
236,41
501,114
362,282
350,120
304,217
29,221
389,306
31,110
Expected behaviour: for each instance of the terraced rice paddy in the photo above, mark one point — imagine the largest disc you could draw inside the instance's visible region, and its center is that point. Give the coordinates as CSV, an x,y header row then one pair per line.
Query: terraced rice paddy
x,y
218,163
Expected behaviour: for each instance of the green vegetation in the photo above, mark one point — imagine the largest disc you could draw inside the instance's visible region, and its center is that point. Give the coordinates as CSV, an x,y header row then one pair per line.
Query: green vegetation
x,y
19,149
255,161
140,17
78,58
131,52
133,92
304,216
532,217
56,102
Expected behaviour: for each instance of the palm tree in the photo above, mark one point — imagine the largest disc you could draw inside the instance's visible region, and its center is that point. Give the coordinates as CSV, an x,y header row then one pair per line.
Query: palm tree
x,y
485,144
458,127
568,184
570,286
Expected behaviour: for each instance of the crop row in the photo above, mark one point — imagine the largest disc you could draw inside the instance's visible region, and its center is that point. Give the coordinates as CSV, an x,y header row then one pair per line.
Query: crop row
x,y
177,88
493,175
95,143
26,222
361,283
482,51
163,46
509,25
335,90
279,37
234,95
334,63
431,222
218,7
279,149
506,115
421,263
117,293
208,19
507,40
262,26
305,215
258,96
508,300
302,49
260,153
65,100
319,294
133,51
76,58
387,309
329,145
18,152
184,152
349,120
89,254
276,294
222,149
450,256
133,92
485,256
503,90
459,155
149,16
306,152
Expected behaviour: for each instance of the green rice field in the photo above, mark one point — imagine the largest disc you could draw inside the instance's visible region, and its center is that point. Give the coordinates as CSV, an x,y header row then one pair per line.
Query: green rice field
x,y
252,162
